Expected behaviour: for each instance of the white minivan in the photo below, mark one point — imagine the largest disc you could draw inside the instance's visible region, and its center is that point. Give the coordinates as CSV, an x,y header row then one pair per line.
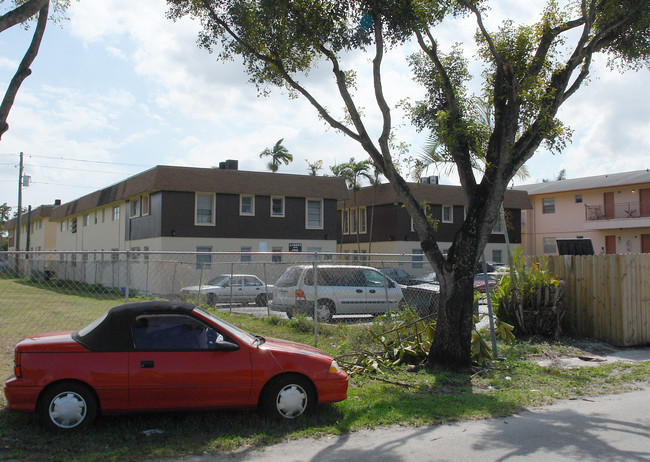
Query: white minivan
x,y
340,290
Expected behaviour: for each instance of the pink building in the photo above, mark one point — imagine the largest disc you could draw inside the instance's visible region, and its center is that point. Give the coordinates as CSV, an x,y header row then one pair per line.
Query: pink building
x,y
612,210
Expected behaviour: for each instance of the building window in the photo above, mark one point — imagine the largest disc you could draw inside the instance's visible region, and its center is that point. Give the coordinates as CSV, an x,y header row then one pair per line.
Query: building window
x,y
498,227
276,257
497,256
103,215
203,259
346,221
246,204
135,207
116,213
205,209
548,205
354,221
277,206
549,245
115,256
145,205
95,217
578,198
447,214
314,214
134,253
417,258
86,221
245,254
362,220
146,255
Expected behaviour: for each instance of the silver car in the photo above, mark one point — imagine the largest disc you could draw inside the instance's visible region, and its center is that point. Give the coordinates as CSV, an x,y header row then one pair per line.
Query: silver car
x,y
340,290
226,288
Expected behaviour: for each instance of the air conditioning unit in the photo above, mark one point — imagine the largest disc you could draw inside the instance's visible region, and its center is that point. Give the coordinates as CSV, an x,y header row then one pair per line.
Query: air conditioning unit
x,y
429,180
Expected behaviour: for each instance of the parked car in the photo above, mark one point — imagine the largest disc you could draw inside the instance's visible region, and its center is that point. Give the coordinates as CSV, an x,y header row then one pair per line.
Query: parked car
x,y
429,278
400,276
424,298
4,265
342,290
164,356
238,288
493,280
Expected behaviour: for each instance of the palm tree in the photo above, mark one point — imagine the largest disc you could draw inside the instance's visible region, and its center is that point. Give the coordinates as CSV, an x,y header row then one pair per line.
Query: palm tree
x,y
314,167
353,172
278,154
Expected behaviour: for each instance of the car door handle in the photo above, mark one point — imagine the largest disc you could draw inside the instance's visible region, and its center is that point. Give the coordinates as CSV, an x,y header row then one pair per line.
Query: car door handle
x,y
146,364
359,291
372,291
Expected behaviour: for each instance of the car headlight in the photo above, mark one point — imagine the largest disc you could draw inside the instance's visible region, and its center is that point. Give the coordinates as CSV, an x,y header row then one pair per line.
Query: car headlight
x,y
334,368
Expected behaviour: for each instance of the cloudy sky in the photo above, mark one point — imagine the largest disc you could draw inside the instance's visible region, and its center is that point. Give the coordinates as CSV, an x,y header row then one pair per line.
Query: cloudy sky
x,y
118,89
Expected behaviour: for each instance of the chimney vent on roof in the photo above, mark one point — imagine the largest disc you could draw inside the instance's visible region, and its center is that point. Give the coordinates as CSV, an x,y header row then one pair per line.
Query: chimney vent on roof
x,y
230,164
57,201
429,180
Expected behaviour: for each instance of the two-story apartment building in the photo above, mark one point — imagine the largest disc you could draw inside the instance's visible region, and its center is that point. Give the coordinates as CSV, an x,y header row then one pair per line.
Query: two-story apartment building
x,y
205,210
37,231
382,225
612,210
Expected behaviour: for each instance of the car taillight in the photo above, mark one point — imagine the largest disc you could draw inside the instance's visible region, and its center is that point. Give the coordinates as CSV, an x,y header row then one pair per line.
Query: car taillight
x,y
17,370
300,295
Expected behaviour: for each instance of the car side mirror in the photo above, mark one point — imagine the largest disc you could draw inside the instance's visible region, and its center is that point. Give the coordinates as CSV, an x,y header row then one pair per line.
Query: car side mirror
x,y
226,346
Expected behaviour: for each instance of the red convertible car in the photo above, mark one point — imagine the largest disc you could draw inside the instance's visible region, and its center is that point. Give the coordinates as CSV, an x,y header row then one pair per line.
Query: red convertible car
x,y
162,356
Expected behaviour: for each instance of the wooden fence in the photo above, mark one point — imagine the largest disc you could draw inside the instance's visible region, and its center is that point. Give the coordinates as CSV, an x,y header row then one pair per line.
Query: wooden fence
x,y
607,296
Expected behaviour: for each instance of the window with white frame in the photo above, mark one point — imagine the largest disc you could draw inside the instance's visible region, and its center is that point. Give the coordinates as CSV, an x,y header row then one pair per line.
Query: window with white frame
x,y
354,221
417,258
247,204
203,258
497,255
245,254
314,213
95,217
205,209
447,214
116,213
498,226
548,205
362,220
103,215
135,207
276,257
549,245
277,206
145,205
346,221
86,220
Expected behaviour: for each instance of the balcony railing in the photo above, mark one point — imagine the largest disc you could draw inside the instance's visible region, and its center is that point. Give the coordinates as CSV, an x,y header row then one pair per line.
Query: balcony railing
x,y
622,210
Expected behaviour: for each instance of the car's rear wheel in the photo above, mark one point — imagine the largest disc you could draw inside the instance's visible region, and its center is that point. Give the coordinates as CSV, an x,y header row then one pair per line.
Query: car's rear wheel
x,y
67,406
261,300
326,310
288,397
211,299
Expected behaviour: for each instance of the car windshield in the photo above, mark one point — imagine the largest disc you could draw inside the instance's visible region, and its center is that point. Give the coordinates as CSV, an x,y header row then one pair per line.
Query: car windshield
x,y
430,277
219,280
236,331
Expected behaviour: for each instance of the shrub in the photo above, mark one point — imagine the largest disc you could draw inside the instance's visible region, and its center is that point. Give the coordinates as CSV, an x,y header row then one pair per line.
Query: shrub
x,y
530,298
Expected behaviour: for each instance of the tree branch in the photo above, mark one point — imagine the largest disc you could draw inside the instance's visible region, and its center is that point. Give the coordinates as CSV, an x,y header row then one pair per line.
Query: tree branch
x,y
21,13
23,70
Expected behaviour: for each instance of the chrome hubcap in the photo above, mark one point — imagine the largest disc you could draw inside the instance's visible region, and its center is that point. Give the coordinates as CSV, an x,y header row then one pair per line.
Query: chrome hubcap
x,y
67,409
291,401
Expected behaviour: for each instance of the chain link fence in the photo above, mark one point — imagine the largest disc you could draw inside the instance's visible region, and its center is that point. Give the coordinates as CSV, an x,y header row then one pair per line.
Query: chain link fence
x,y
55,291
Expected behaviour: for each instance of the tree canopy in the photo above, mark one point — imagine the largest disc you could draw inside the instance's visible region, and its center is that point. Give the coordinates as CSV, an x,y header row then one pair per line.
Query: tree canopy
x,y
529,72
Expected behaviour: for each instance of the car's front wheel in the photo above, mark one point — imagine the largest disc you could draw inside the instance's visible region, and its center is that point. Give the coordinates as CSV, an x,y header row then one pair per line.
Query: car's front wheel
x,y
288,397
261,300
211,299
67,406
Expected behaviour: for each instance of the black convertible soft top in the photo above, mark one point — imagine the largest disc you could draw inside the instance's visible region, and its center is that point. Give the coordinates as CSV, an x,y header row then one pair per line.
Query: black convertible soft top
x,y
113,333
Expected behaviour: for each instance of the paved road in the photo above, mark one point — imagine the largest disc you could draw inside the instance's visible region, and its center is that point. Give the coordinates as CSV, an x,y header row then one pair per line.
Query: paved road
x,y
609,428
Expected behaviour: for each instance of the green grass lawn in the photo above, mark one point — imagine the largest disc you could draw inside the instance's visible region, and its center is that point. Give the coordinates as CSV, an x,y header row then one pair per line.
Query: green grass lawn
x,y
395,396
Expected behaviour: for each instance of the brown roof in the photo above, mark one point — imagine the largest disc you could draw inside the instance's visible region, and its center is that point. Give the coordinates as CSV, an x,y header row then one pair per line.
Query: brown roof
x,y
42,211
435,194
223,181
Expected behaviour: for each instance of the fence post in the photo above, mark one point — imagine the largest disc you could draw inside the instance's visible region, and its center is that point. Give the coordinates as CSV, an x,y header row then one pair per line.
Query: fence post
x,y
266,289
383,272
315,299
128,278
174,277
232,271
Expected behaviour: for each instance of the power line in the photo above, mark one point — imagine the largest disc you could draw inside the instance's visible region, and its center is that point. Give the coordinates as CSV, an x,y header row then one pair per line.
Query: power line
x,y
75,160
76,169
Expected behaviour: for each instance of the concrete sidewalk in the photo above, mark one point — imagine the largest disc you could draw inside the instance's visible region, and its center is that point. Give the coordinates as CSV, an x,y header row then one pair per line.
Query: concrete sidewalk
x,y
607,428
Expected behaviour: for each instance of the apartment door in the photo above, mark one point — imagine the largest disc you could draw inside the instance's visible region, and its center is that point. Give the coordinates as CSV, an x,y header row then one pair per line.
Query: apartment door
x,y
644,202
610,244
645,243
609,204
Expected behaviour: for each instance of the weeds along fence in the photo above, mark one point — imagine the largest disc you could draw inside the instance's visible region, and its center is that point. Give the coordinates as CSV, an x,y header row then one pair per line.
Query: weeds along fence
x,y
51,291
607,296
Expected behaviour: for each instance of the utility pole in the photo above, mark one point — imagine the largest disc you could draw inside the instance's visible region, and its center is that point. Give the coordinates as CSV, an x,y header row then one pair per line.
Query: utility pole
x,y
20,208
